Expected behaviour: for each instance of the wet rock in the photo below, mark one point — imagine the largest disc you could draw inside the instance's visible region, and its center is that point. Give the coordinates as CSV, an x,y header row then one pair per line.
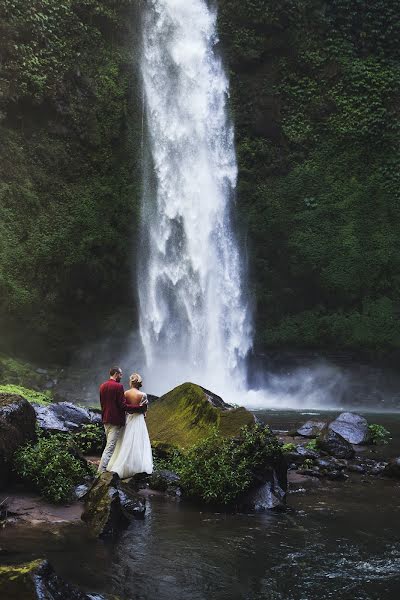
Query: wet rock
x,y
132,508
311,429
352,427
334,444
336,475
356,469
312,471
64,416
327,463
103,512
135,483
377,469
392,469
269,493
300,454
165,481
81,490
37,580
17,426
268,496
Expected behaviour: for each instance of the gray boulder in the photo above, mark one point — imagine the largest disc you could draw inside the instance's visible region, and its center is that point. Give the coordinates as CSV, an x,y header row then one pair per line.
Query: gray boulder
x,y
352,427
311,429
64,416
17,427
165,481
334,444
267,496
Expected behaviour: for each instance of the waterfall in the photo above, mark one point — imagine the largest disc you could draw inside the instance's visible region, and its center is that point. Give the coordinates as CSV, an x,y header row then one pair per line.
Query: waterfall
x,y
194,319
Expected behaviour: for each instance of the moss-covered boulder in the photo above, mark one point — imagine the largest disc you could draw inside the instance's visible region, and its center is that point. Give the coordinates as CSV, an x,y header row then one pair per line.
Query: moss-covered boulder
x,y
36,580
17,426
103,514
186,415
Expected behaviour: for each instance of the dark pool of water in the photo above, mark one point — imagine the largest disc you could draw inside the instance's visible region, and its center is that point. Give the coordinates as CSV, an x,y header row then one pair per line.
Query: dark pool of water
x,y
337,540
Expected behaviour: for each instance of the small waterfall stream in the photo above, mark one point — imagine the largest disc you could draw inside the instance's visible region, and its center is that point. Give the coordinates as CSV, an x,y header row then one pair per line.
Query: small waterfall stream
x,y
195,322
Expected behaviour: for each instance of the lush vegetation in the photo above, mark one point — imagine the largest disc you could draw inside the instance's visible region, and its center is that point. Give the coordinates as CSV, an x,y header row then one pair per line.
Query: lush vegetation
x,y
90,439
315,95
218,469
51,466
69,187
379,434
30,395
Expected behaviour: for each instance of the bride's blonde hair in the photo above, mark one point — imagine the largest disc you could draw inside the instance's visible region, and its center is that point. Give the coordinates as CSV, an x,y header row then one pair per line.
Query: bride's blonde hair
x,y
134,379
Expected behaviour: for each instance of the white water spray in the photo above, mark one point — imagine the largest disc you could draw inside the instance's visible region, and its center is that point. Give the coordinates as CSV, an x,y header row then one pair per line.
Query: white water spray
x,y
194,320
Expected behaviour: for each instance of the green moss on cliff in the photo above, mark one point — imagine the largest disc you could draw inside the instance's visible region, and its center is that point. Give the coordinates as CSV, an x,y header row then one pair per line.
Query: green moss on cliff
x,y
30,395
315,96
70,184
183,417
17,372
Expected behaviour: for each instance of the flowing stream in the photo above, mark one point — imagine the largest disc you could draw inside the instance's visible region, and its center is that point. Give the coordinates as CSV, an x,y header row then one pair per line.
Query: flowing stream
x,y
194,319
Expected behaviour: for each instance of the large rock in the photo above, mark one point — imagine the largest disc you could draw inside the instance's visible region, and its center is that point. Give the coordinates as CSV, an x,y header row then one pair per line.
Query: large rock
x,y
270,492
352,427
311,429
165,481
392,469
188,413
64,416
103,512
108,510
37,580
334,444
17,427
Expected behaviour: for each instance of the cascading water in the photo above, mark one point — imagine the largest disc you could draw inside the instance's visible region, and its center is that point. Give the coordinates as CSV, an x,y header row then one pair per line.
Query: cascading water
x,y
194,320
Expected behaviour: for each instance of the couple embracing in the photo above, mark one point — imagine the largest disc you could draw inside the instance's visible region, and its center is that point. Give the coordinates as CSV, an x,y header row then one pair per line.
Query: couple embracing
x,y
128,449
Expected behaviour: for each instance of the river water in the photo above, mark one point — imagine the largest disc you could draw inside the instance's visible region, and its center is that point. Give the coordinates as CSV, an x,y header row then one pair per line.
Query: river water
x,y
337,540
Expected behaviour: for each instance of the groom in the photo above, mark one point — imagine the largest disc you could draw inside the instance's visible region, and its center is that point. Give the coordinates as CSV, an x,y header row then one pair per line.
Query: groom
x,y
113,409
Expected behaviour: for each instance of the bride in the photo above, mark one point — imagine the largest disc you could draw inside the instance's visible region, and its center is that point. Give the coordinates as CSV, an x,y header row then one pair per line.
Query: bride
x,y
132,453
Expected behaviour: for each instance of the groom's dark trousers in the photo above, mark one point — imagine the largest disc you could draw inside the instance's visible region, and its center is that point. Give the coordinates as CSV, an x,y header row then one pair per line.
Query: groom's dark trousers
x,y
113,409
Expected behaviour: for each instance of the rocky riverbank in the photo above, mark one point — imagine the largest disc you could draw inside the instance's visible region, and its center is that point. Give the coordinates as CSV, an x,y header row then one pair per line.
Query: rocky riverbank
x,y
217,448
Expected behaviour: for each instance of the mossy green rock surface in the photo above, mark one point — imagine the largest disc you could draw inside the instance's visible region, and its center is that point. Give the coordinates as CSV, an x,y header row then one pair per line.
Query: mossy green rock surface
x,y
103,513
36,580
17,426
184,416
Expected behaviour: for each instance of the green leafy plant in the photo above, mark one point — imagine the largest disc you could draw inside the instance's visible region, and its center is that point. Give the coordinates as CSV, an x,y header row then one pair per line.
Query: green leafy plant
x,y
289,447
308,463
378,434
218,469
312,444
51,466
90,439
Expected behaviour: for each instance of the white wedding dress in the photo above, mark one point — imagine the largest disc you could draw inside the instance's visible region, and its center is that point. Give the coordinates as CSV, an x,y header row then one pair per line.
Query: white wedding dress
x,y
132,453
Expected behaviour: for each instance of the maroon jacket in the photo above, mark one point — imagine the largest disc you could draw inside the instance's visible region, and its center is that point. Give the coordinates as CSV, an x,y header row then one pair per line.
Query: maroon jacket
x,y
113,403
